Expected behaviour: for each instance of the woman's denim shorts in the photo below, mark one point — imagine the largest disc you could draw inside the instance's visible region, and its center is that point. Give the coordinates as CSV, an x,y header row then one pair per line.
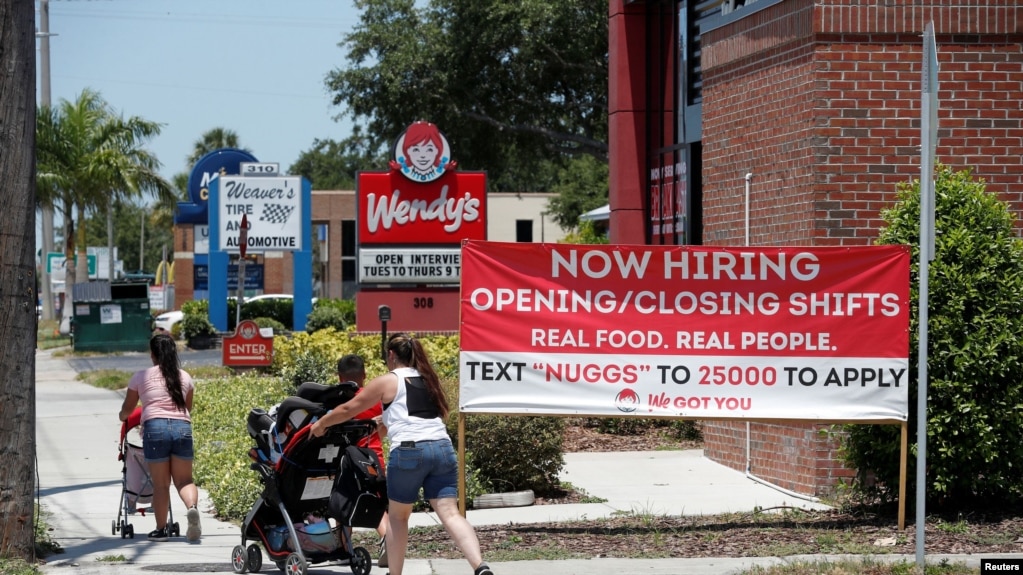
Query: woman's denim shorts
x,y
430,465
163,438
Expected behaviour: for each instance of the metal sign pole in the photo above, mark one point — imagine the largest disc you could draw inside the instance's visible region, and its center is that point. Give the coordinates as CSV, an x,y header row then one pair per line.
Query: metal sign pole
x,y
243,240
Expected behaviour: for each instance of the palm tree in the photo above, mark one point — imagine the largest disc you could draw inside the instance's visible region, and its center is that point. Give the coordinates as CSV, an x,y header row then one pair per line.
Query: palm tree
x,y
86,157
214,139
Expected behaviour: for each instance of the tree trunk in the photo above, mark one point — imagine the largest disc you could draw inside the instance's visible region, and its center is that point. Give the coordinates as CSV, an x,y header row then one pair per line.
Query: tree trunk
x,y
66,305
81,259
17,279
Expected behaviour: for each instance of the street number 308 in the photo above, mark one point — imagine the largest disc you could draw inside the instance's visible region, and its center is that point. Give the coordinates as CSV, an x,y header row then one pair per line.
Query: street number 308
x,y
422,302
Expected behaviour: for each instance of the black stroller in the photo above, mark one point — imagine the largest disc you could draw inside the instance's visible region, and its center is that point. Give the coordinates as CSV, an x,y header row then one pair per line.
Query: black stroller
x,y
298,473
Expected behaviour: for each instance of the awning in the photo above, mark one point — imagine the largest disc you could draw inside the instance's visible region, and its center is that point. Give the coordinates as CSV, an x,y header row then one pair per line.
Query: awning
x,y
601,214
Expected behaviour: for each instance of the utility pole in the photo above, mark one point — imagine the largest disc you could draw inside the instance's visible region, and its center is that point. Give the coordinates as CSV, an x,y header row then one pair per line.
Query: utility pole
x,y
46,293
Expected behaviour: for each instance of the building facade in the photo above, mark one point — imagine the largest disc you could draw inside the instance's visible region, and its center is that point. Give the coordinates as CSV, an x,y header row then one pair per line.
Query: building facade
x,y
799,117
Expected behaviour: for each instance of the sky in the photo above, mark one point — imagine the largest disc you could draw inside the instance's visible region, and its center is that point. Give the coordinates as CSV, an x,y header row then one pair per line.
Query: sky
x,y
256,67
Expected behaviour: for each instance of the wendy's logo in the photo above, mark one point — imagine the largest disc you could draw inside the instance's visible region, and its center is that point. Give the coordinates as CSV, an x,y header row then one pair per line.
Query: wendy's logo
x,y
627,401
422,153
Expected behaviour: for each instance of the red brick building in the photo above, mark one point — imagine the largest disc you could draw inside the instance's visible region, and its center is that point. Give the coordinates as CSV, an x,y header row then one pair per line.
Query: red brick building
x,y
819,102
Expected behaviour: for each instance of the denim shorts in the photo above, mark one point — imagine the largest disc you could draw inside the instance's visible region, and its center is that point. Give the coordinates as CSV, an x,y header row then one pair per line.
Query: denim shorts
x,y
163,438
431,465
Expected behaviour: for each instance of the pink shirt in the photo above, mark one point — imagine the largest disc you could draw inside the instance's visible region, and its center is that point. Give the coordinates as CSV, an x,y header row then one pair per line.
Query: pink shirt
x,y
156,401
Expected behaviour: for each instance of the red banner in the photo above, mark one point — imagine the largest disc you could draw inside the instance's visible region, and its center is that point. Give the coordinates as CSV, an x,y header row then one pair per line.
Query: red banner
x,y
770,327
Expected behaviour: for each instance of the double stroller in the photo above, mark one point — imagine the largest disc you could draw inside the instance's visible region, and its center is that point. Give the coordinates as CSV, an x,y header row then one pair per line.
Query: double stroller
x,y
315,489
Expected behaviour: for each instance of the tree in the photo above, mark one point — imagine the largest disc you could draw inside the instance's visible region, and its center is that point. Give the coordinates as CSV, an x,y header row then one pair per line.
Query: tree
x,y
87,155
975,355
516,86
213,139
332,165
581,187
17,279
130,219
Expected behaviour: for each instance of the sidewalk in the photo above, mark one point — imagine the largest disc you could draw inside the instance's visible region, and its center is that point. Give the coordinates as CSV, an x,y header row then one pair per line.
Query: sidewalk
x,y
80,487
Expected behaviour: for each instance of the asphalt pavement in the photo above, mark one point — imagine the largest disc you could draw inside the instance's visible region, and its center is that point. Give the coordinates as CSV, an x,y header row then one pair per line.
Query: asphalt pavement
x,y
80,486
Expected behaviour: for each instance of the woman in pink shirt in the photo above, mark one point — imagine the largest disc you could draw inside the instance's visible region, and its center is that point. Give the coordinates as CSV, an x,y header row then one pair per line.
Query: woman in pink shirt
x,y
166,394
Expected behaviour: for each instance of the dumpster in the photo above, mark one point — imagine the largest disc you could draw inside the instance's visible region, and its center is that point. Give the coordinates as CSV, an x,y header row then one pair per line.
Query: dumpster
x,y
111,316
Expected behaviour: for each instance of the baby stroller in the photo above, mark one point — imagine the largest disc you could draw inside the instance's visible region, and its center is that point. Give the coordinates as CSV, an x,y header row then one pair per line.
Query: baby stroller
x,y
298,473
136,483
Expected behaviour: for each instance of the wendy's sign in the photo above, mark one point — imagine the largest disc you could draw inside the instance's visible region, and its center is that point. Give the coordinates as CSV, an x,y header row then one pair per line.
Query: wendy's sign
x,y
421,199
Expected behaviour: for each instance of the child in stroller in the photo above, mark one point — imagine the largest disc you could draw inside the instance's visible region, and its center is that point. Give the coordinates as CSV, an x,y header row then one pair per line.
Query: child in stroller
x,y
136,483
298,473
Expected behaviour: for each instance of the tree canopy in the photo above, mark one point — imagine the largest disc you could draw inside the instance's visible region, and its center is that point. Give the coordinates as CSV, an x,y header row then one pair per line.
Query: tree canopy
x,y
518,87
87,155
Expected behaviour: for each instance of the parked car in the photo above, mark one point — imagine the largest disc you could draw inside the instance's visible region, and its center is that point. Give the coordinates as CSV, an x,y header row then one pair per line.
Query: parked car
x,y
167,319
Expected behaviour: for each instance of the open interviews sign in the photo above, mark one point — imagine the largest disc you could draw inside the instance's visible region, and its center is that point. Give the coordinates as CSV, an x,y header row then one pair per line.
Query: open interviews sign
x,y
410,265
801,333
272,207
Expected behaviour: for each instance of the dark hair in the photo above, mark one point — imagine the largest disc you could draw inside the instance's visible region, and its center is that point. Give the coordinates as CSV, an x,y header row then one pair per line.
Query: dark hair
x,y
411,353
165,352
351,365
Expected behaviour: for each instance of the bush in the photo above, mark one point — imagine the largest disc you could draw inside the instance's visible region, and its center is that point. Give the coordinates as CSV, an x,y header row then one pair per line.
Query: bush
x,y
345,306
281,310
515,453
324,317
975,356
193,325
219,415
264,322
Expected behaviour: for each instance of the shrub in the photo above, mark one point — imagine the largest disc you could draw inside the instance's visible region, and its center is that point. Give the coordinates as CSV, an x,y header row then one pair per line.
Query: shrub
x,y
277,309
345,306
193,325
324,317
515,453
219,415
277,326
975,355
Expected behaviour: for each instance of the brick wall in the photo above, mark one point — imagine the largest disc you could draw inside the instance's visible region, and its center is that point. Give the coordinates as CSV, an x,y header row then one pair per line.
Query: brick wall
x,y
820,100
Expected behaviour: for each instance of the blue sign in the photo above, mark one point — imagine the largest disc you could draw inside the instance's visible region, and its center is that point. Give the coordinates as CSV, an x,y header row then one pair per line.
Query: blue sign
x,y
253,277
207,169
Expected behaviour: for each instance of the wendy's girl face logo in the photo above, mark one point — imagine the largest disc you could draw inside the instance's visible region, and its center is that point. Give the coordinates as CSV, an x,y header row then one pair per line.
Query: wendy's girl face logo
x,y
422,153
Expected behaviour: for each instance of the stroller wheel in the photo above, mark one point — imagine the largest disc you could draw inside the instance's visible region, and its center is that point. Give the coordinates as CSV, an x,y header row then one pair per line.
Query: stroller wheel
x,y
113,527
361,561
131,531
294,565
255,558
239,562
175,530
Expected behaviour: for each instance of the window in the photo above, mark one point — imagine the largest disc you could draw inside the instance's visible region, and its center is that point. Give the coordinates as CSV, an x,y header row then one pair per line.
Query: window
x,y
349,277
524,231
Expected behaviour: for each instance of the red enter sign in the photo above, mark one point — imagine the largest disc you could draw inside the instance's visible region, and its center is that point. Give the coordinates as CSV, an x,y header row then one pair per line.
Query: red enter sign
x,y
248,347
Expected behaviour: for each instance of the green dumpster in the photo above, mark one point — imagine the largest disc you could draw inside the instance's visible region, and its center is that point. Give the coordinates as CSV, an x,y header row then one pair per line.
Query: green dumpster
x,y
111,317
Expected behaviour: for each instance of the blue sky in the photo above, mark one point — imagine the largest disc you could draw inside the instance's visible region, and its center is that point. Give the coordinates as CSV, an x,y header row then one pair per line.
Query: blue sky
x,y
256,67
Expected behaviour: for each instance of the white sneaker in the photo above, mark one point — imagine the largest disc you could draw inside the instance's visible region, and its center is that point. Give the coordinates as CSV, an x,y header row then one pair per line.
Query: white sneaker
x,y
194,529
382,559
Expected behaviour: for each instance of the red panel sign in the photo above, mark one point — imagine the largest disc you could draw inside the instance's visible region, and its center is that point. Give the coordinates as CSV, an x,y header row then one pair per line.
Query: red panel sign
x,y
393,209
248,347
412,310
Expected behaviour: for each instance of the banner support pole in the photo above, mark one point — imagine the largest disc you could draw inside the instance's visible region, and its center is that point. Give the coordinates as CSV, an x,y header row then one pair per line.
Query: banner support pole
x,y
903,467
461,463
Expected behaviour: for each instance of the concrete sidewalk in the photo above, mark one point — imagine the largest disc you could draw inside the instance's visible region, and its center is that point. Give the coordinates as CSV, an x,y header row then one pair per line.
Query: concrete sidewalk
x,y
80,487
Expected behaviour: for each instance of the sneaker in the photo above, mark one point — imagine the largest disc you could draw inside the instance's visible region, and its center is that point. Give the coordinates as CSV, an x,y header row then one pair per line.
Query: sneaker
x,y
159,534
483,569
194,529
382,560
